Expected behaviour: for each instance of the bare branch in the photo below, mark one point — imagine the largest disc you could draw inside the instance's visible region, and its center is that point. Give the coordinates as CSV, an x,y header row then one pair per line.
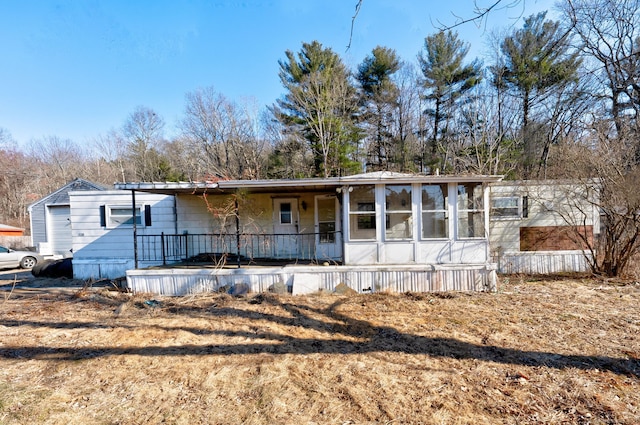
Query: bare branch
x,y
353,20
479,14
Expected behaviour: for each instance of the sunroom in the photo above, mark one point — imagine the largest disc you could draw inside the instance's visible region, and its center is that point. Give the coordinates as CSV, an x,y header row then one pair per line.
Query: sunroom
x,y
416,220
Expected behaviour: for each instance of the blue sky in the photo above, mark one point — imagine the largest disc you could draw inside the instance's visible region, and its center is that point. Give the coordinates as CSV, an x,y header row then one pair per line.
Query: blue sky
x,y
76,69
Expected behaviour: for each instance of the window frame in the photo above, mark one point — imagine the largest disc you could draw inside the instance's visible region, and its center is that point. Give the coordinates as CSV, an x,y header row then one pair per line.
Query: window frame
x,y
407,209
282,213
361,218
471,207
128,223
327,225
444,210
498,217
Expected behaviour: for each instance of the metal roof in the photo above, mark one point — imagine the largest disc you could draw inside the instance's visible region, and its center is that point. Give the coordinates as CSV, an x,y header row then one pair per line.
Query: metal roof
x,y
307,184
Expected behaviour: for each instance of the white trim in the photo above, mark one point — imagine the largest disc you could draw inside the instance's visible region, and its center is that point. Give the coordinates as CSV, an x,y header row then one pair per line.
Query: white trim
x,y
140,208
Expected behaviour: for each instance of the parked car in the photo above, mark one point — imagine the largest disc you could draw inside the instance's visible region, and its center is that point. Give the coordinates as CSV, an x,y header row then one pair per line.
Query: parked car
x,y
10,258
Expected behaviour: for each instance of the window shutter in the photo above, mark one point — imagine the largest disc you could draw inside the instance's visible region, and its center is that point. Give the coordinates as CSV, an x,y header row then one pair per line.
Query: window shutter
x,y
525,206
103,216
147,215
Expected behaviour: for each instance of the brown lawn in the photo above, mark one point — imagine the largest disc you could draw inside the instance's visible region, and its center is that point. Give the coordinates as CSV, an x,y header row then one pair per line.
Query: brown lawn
x,y
554,352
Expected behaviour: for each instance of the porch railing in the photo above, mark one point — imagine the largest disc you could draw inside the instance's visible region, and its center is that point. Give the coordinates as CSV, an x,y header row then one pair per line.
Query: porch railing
x,y
244,247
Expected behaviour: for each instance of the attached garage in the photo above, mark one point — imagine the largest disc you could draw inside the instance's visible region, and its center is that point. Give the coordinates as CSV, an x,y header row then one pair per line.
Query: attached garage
x,y
50,219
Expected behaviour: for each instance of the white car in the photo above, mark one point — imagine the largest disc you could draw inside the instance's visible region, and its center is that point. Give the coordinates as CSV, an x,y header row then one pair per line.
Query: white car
x,y
12,259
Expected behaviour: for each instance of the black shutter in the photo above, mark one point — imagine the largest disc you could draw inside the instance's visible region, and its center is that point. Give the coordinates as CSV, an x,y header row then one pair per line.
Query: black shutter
x,y
525,206
103,216
147,215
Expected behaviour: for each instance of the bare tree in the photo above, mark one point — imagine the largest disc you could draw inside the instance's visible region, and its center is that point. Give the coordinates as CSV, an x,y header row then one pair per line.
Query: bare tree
x,y
605,164
322,99
143,131
319,107
19,186
481,146
58,161
406,120
5,138
110,155
224,133
609,31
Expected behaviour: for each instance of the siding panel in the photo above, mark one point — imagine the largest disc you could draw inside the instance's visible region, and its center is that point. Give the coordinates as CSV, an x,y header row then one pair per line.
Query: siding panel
x,y
102,252
312,279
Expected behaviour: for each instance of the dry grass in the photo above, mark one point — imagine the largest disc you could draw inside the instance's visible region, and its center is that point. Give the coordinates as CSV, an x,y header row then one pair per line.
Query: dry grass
x,y
555,352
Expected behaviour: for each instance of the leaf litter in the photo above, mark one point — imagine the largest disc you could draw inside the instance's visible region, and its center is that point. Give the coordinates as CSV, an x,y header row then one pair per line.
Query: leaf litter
x,y
556,351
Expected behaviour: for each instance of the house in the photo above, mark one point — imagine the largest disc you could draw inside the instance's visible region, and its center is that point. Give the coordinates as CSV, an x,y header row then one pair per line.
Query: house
x,y
373,232
6,230
13,237
542,227
102,229
50,219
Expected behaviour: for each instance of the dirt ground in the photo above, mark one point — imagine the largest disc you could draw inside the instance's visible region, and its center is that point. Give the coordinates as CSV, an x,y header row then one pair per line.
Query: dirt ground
x,y
555,351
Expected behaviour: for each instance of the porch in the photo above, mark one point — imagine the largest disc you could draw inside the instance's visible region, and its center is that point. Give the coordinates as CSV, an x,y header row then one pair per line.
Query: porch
x,y
238,249
372,232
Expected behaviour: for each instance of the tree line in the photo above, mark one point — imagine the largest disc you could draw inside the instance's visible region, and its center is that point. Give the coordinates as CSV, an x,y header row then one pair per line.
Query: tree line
x,y
553,99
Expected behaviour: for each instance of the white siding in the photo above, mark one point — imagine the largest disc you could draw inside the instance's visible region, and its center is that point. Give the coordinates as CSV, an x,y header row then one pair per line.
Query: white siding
x,y
543,262
102,252
550,203
319,278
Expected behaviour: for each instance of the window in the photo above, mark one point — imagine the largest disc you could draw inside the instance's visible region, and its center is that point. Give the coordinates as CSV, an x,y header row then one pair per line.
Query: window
x,y
507,207
119,216
112,216
362,212
470,210
398,215
285,213
435,216
326,208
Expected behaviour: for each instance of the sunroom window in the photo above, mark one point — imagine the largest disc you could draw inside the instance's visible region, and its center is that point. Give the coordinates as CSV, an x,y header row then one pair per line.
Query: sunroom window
x,y
362,213
435,217
470,210
398,215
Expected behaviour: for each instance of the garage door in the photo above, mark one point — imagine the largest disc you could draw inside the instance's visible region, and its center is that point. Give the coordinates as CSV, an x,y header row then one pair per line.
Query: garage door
x,y
60,230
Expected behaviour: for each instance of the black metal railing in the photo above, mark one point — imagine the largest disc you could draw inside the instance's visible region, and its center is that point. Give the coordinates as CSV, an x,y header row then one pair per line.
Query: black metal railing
x,y
243,247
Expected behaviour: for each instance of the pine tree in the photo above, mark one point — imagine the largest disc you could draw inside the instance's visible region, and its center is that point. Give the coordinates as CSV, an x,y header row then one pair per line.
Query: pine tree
x,y
319,107
446,78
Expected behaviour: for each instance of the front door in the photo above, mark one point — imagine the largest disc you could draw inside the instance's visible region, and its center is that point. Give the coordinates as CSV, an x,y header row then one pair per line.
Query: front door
x,y
285,227
328,235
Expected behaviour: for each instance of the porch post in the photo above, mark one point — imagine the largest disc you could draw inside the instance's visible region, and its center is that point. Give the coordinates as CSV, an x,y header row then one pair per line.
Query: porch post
x,y
164,252
135,229
237,232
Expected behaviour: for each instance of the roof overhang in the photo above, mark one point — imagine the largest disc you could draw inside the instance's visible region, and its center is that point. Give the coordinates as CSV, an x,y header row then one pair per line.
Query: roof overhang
x,y
7,228
299,185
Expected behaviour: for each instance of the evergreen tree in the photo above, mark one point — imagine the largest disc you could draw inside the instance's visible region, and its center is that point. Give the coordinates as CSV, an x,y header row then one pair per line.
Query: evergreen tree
x,y
537,60
379,96
319,107
446,78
